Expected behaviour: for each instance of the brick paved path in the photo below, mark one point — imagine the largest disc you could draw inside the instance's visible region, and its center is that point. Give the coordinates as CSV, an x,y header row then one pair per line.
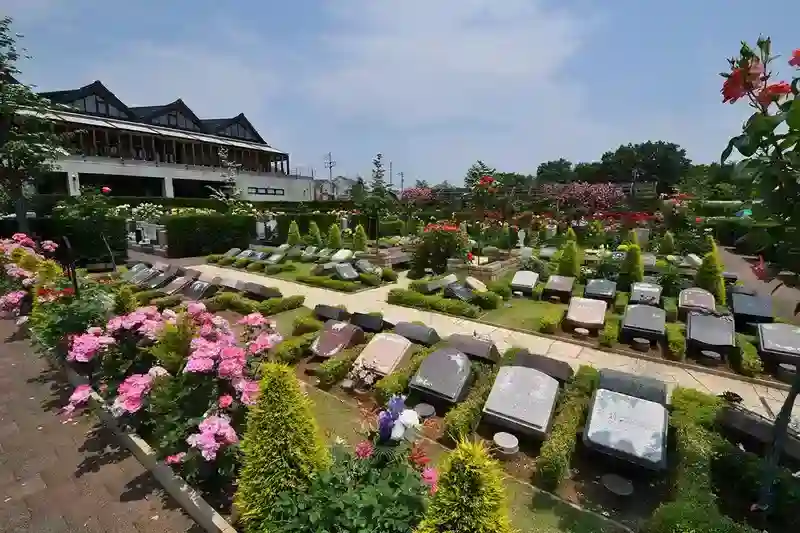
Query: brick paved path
x,y
67,476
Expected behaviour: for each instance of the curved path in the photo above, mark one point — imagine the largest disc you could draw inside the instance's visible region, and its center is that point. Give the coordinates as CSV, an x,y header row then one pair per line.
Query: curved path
x,y
765,400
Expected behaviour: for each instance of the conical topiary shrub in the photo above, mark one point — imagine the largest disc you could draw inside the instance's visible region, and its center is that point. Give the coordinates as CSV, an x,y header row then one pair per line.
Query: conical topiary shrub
x,y
282,447
667,245
294,238
633,238
632,269
470,497
571,235
334,237
314,236
709,276
569,263
360,239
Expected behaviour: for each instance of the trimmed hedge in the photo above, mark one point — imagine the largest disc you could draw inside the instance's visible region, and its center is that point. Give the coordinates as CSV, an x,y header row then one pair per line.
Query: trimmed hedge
x,y
277,269
746,360
432,302
388,275
335,369
273,306
487,300
232,301
292,350
621,302
550,320
609,335
553,462
676,341
671,307
306,324
397,381
242,262
501,288
196,235
463,419
370,280
330,283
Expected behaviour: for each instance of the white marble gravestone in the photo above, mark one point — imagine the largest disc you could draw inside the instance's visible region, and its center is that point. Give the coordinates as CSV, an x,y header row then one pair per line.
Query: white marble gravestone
x,y
342,255
550,231
385,353
587,313
524,281
696,298
522,399
629,428
521,238
475,284
261,230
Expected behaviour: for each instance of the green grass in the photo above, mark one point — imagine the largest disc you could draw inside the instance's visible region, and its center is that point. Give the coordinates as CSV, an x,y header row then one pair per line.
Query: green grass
x,y
284,320
303,269
523,313
530,509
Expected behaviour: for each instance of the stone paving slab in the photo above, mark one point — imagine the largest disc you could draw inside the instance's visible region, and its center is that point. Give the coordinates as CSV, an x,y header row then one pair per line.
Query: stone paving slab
x,y
754,396
67,475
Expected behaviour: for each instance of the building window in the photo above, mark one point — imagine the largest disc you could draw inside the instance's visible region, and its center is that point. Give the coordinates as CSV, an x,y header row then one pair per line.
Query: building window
x,y
96,105
259,191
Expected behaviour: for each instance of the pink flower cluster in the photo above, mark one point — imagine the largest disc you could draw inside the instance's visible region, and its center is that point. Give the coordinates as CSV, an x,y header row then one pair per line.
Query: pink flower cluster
x,y
49,246
23,240
431,478
146,321
87,346
78,397
260,333
131,394
18,273
215,433
10,302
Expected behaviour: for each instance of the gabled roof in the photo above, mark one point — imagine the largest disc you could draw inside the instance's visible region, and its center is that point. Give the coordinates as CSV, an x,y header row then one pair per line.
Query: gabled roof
x,y
216,125
97,88
148,113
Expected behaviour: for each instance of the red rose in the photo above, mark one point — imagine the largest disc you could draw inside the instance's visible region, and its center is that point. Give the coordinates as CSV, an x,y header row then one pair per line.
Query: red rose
x,y
470,257
795,60
698,220
105,190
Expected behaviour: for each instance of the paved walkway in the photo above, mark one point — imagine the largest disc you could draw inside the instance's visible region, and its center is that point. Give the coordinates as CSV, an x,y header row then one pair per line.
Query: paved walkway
x,y
755,396
60,475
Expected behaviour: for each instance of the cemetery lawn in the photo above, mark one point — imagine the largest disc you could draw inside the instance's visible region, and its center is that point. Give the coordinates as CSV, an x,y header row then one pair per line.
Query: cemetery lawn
x,y
530,509
522,313
302,269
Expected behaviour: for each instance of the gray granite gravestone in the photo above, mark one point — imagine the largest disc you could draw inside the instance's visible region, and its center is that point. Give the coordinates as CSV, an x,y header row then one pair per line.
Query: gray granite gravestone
x,y
522,400
385,353
587,313
524,281
443,375
780,342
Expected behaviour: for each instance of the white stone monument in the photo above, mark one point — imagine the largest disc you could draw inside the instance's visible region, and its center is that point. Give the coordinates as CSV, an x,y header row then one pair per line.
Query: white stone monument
x,y
521,238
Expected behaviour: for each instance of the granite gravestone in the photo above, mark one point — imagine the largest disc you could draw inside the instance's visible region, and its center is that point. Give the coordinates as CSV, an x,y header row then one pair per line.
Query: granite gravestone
x,y
342,255
547,252
295,251
458,291
560,286
143,276
522,400
443,375
197,290
362,265
309,254
345,272
780,342
177,285
438,284
601,289
324,255
329,312
476,348
644,321
628,428
259,292
709,332
645,293
336,336
475,284
159,280
132,271
587,313
695,298
276,258
385,353
749,309
233,252
417,333
367,322
524,281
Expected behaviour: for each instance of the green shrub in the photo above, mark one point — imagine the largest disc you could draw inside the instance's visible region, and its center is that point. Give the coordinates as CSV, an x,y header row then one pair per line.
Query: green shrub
x,y
335,368
388,275
292,350
225,261
609,335
632,270
553,463
359,239
273,306
306,324
501,288
294,238
670,280
419,285
232,301
314,236
330,283
397,381
632,238
242,262
166,302
667,244
279,268
569,264
257,266
213,258
621,302
282,447
570,236
471,497
198,235
463,419
550,320
411,298
536,293
487,300
372,280
144,297
746,360
676,342
124,300
334,237
709,276
671,308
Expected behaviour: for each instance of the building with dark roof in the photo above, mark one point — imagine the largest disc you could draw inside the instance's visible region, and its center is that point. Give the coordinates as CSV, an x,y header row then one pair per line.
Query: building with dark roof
x,y
163,150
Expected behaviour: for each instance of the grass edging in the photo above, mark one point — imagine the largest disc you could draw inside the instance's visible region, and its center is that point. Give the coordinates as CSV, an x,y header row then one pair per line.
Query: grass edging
x,y
265,275
187,497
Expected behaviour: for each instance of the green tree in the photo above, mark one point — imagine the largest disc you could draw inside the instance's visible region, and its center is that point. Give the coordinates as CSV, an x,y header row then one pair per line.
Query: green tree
x,y
709,276
569,263
294,238
358,192
632,270
334,237
360,239
662,162
632,238
476,172
421,184
379,199
28,146
571,236
667,245
590,172
557,171
470,496
282,448
314,236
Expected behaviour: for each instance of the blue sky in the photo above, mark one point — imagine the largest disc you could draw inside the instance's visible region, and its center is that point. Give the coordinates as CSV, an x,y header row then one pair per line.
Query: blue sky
x,y
433,85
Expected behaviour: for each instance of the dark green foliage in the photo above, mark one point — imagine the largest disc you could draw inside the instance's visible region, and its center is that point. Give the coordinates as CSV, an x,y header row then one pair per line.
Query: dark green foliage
x,y
314,237
166,302
291,351
306,324
335,369
232,301
124,300
501,288
632,270
745,358
550,320
279,268
242,262
144,297
330,283
667,244
709,276
256,266
294,238
569,264
555,457
621,302
471,497
282,448
370,280
670,280
360,239
334,237
570,235
397,381
432,302
609,335
196,235
273,306
487,300
388,275
213,258
676,342
671,308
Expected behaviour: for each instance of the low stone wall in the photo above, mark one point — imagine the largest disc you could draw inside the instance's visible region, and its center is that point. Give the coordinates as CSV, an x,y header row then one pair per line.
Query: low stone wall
x,y
487,272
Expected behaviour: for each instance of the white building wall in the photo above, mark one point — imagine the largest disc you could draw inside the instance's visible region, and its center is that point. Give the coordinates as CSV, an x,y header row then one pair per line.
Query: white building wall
x,y
296,189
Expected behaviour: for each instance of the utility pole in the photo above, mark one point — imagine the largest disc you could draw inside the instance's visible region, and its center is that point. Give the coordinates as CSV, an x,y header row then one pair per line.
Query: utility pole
x,y
402,182
329,164
391,175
